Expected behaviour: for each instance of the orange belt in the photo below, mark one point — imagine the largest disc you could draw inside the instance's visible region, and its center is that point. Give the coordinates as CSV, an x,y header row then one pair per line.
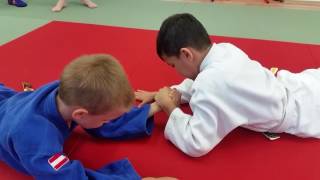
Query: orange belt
x,y
274,70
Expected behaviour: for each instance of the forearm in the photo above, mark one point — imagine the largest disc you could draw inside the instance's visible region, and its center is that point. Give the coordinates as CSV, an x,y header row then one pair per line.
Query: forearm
x,y
134,123
194,136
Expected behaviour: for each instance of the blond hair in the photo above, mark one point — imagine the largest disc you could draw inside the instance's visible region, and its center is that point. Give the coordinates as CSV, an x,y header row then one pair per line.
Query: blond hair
x,y
95,82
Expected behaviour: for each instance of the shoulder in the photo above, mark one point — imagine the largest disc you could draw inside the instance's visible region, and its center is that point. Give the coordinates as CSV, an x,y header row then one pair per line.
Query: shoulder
x,y
228,50
209,77
36,135
227,45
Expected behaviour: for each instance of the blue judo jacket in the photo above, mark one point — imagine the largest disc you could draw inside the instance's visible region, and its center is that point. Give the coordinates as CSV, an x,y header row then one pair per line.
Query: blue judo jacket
x,y
32,133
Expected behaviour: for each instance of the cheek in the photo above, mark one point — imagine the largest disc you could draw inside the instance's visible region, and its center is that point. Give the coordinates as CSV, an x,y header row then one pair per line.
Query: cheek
x,y
95,125
191,72
92,123
184,71
180,70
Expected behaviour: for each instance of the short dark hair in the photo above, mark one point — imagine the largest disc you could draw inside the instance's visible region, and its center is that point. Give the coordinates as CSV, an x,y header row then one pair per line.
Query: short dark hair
x,y
178,31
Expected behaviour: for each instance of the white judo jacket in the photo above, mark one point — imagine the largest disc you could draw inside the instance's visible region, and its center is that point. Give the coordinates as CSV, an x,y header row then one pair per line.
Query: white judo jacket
x,y
232,90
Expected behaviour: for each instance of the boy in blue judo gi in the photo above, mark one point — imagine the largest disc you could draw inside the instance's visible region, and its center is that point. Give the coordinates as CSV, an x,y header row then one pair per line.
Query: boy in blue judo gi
x,y
93,92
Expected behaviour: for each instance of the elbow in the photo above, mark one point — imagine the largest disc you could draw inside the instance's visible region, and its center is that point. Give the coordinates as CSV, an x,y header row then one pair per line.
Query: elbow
x,y
196,154
198,150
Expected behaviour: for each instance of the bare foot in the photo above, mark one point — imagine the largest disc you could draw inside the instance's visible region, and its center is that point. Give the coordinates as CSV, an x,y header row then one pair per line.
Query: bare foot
x,y
27,86
89,3
59,6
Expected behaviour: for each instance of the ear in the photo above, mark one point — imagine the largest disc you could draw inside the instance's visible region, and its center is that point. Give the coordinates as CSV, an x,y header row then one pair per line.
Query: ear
x,y
187,54
79,113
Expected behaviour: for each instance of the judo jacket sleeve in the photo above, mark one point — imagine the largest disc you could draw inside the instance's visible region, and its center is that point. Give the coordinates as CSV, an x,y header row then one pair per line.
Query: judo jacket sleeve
x,y
41,156
134,123
58,166
6,92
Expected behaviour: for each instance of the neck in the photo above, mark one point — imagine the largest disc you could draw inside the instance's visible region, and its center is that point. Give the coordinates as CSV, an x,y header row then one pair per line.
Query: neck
x,y
201,55
205,52
64,110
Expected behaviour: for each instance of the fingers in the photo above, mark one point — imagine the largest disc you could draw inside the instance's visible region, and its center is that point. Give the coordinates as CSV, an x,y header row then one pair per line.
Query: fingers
x,y
139,90
144,96
140,97
140,94
137,95
175,94
165,88
172,93
164,94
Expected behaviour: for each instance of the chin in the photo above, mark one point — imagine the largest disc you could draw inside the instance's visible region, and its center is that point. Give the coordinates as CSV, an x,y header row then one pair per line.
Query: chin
x,y
191,77
96,126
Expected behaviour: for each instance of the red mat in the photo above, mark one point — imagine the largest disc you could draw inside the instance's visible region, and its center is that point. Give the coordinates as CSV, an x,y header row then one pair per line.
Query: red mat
x,y
40,56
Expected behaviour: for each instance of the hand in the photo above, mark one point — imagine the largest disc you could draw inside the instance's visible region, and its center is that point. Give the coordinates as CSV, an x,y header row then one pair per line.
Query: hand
x,y
175,96
144,96
167,99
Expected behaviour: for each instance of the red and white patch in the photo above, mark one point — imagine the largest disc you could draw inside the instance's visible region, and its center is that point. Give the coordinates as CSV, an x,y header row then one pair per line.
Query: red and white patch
x,y
57,161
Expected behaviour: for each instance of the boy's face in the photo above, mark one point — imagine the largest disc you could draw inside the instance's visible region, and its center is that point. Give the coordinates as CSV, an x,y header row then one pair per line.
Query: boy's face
x,y
185,64
90,121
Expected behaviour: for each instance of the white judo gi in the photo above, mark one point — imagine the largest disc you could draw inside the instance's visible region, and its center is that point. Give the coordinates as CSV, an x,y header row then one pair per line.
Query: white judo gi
x,y
232,90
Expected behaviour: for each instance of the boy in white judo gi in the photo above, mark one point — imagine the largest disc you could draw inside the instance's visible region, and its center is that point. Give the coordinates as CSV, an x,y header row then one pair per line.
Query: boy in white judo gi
x,y
226,89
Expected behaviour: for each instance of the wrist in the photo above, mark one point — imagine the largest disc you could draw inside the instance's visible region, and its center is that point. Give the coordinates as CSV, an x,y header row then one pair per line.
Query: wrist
x,y
168,109
154,108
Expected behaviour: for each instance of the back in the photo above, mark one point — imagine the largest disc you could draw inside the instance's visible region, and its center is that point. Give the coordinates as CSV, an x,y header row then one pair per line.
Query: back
x,y
243,90
30,124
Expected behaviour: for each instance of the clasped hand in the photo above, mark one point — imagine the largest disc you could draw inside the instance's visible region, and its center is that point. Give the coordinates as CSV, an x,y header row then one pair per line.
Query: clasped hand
x,y
167,98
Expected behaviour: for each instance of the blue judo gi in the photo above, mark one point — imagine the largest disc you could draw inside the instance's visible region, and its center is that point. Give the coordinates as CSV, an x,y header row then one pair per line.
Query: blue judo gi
x,y
32,133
